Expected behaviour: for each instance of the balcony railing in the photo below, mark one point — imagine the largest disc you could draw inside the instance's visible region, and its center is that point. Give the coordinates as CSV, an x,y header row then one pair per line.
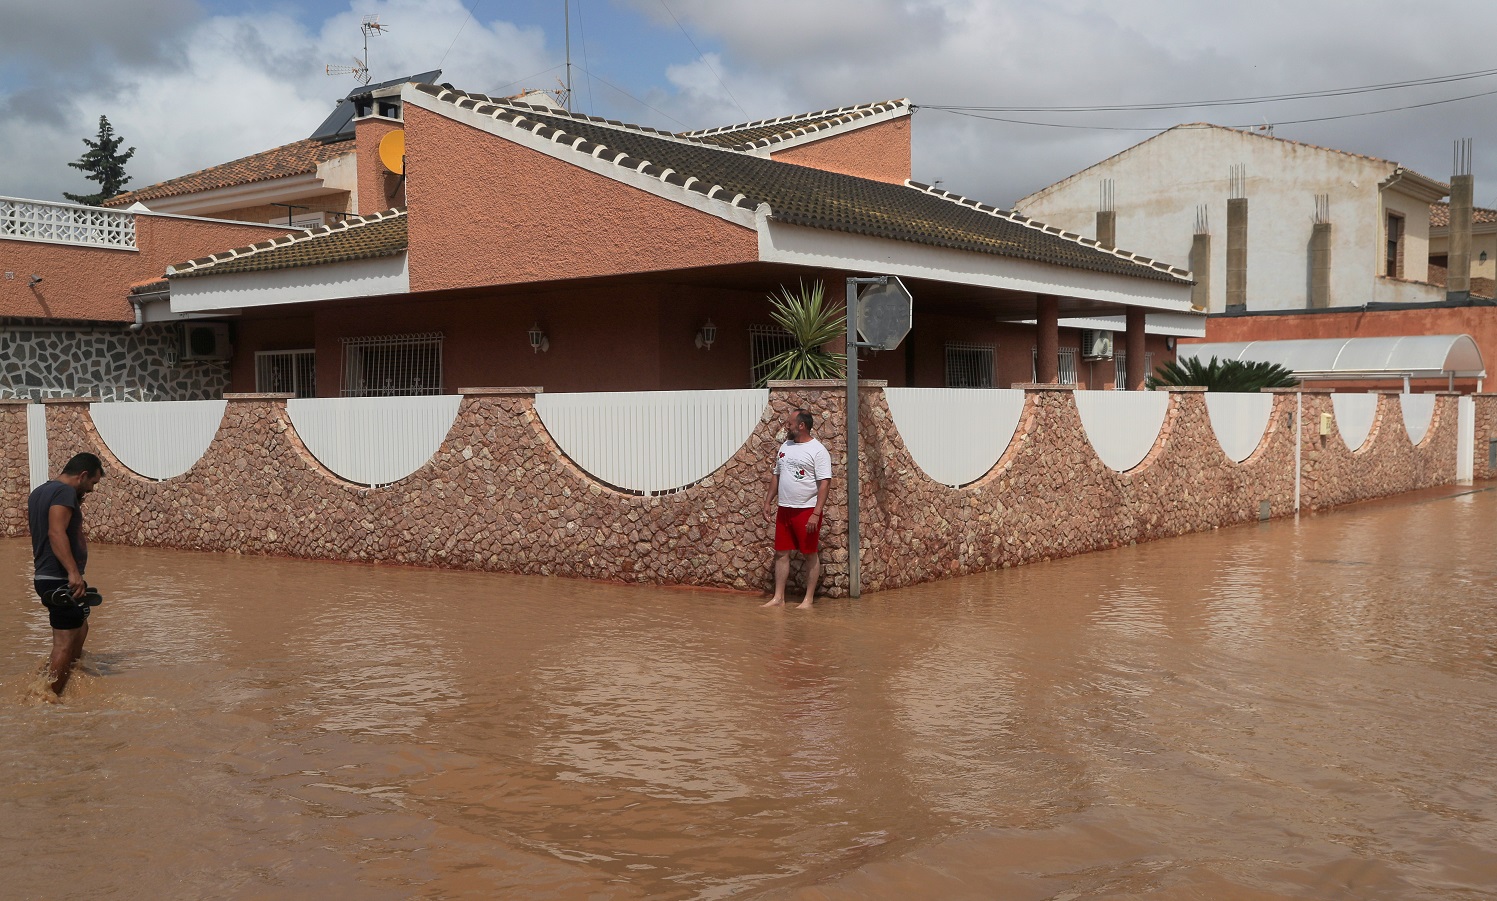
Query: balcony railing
x,y
65,223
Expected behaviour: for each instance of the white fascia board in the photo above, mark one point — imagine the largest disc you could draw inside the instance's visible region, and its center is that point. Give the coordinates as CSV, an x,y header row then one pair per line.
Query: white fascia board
x,y
801,246
836,130
160,311
722,209
1180,325
260,193
305,284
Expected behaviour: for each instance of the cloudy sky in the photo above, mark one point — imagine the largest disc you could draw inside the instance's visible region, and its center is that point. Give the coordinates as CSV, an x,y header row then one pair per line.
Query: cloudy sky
x,y
192,83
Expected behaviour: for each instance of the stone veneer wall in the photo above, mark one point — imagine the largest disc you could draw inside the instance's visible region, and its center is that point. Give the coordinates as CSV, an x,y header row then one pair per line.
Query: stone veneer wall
x,y
111,363
1486,432
499,495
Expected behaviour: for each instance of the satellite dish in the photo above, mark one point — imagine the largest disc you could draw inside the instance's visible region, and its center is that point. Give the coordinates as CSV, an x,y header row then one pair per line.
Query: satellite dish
x,y
392,151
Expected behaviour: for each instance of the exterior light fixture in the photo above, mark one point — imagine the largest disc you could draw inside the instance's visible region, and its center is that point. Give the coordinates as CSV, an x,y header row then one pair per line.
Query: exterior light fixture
x,y
707,335
538,339
1169,342
35,280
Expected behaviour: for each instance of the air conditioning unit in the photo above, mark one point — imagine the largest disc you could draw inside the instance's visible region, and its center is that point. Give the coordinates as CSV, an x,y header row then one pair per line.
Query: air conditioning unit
x,y
206,341
1096,345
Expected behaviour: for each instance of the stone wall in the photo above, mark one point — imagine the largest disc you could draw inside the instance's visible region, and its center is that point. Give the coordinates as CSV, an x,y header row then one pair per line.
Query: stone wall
x,y
111,362
500,495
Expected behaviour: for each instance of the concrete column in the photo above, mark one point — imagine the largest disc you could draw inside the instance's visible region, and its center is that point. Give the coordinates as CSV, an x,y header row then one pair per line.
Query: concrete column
x,y
1320,265
1138,354
1107,228
1047,341
1200,270
1237,253
1458,262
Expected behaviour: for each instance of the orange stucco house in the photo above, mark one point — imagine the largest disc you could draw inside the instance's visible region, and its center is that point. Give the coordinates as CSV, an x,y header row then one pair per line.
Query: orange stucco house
x,y
526,245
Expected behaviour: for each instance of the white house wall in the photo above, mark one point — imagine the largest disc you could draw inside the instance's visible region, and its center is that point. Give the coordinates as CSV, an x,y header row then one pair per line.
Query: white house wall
x,y
1158,185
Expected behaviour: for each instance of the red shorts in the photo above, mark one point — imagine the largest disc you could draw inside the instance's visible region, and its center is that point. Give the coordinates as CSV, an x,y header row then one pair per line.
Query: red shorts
x,y
790,530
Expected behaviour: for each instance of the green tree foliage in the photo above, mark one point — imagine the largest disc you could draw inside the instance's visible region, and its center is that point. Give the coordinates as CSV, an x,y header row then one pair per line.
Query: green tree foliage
x,y
104,164
812,323
1222,375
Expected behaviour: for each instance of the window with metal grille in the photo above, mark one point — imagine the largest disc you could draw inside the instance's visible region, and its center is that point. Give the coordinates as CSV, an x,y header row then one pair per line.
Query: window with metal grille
x,y
1065,359
765,343
969,365
1120,368
286,372
391,365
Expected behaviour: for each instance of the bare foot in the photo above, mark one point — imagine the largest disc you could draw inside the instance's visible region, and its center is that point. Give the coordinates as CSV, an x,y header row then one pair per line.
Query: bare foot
x,y
804,605
774,602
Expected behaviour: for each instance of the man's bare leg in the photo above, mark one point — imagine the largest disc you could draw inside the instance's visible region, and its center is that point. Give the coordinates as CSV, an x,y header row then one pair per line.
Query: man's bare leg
x,y
67,647
812,572
781,576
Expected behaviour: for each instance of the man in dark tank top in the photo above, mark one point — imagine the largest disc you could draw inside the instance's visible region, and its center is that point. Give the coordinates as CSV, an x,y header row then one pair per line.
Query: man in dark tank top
x,y
60,550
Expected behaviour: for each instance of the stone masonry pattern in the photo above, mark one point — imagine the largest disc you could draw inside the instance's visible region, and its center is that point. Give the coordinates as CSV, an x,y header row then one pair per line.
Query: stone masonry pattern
x,y
501,496
111,364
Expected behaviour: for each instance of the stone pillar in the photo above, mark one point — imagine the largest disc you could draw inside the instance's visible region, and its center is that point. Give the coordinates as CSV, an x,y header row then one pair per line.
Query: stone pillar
x,y
1047,341
1107,228
1138,359
1237,253
1320,265
15,482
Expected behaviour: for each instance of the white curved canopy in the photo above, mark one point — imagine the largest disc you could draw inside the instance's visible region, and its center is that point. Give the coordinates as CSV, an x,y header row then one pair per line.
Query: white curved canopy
x,y
1410,356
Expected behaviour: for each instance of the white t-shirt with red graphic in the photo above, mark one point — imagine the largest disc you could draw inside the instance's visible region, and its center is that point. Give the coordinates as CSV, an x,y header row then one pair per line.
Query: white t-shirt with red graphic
x,y
800,466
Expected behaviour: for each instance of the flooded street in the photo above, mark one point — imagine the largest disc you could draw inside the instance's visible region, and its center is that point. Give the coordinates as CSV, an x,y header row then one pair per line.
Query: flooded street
x,y
1285,710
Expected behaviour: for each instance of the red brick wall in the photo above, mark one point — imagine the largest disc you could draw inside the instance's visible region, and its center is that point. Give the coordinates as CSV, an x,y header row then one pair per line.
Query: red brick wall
x,y
880,152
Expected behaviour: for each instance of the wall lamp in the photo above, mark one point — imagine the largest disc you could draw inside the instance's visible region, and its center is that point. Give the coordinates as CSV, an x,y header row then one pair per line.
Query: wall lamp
x,y
1169,341
35,280
538,340
707,335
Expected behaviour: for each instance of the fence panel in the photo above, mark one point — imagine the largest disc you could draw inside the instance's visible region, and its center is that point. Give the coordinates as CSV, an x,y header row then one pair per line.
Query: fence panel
x,y
1418,413
1354,416
955,434
66,223
373,440
1122,425
36,443
158,439
652,441
1465,439
1239,421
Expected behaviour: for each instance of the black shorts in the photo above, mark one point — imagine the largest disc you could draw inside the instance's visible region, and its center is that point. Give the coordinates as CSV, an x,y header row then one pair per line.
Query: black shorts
x,y
68,618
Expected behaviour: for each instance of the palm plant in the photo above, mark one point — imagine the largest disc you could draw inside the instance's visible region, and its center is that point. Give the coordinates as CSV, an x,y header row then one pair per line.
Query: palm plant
x,y
811,323
1222,375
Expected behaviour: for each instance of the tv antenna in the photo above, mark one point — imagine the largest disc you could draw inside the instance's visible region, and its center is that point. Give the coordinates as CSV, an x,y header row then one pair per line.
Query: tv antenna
x,y
360,68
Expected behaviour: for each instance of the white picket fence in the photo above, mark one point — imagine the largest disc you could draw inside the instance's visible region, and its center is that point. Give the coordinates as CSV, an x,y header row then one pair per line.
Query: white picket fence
x,y
1122,426
373,440
1354,417
955,434
652,442
158,439
1239,421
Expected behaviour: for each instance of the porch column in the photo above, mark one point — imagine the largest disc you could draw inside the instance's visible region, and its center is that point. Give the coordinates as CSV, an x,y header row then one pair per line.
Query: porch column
x,y
1047,341
1138,359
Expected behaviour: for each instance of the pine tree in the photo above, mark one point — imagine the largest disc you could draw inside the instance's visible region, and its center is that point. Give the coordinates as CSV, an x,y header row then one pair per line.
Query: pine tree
x,y
104,164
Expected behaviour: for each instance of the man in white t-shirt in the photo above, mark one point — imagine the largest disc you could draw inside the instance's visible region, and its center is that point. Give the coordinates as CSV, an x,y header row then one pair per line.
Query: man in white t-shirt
x,y
797,495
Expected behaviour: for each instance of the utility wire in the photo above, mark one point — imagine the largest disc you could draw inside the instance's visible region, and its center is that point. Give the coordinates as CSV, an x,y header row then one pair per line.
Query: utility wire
x,y
528,77
636,99
471,6
1231,101
703,57
1377,112
591,106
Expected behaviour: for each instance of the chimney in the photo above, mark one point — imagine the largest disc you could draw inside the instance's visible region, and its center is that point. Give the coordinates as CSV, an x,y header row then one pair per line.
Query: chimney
x,y
377,115
1458,262
1107,218
1200,260
1320,254
1237,234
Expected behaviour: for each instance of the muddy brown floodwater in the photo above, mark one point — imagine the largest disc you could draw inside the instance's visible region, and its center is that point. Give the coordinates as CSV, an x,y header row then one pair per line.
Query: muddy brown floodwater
x,y
1286,710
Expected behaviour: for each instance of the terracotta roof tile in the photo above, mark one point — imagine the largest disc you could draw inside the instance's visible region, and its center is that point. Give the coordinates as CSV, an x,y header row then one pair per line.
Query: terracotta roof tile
x,y
1439,215
357,238
296,158
816,198
767,132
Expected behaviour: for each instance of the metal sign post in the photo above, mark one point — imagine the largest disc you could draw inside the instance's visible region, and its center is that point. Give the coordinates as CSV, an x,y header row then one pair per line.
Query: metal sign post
x,y
883,324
